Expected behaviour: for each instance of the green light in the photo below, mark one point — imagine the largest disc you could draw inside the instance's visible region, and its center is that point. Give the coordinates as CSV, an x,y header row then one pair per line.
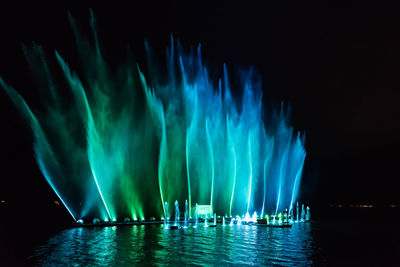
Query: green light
x,y
251,174
234,164
162,155
46,175
102,198
187,170
212,162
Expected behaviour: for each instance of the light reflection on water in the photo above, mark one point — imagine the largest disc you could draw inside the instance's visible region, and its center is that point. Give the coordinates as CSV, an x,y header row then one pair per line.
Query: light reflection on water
x,y
151,244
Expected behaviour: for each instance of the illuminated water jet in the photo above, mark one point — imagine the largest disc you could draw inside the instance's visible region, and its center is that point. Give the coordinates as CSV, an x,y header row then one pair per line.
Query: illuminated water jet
x,y
196,215
303,214
166,215
186,214
177,213
308,215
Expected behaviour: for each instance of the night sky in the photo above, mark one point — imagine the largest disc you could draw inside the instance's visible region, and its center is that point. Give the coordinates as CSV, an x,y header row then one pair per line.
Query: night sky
x,y
336,66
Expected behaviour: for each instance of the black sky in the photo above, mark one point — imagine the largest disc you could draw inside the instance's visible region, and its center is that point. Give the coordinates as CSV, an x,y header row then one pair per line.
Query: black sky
x,y
337,66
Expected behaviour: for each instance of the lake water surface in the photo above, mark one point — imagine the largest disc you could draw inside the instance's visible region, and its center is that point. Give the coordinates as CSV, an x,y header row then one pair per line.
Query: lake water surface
x,y
327,243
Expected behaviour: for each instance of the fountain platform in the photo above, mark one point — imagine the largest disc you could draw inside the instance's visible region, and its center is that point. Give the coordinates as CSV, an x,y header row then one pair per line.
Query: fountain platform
x,y
105,224
260,222
275,225
119,223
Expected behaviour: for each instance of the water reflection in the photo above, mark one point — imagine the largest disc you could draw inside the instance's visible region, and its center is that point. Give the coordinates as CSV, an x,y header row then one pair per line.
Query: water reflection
x,y
126,245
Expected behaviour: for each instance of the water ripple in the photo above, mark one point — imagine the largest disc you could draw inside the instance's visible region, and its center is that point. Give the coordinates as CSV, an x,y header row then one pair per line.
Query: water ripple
x,y
153,245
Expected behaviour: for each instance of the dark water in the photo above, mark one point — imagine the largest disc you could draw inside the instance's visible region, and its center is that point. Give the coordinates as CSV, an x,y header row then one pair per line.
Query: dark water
x,y
328,243
153,244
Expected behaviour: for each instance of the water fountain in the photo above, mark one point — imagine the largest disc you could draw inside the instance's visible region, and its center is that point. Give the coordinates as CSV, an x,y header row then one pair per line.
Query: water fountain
x,y
186,214
215,221
223,220
206,222
303,213
185,131
297,212
254,217
308,215
177,216
196,215
291,216
286,217
166,215
246,217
